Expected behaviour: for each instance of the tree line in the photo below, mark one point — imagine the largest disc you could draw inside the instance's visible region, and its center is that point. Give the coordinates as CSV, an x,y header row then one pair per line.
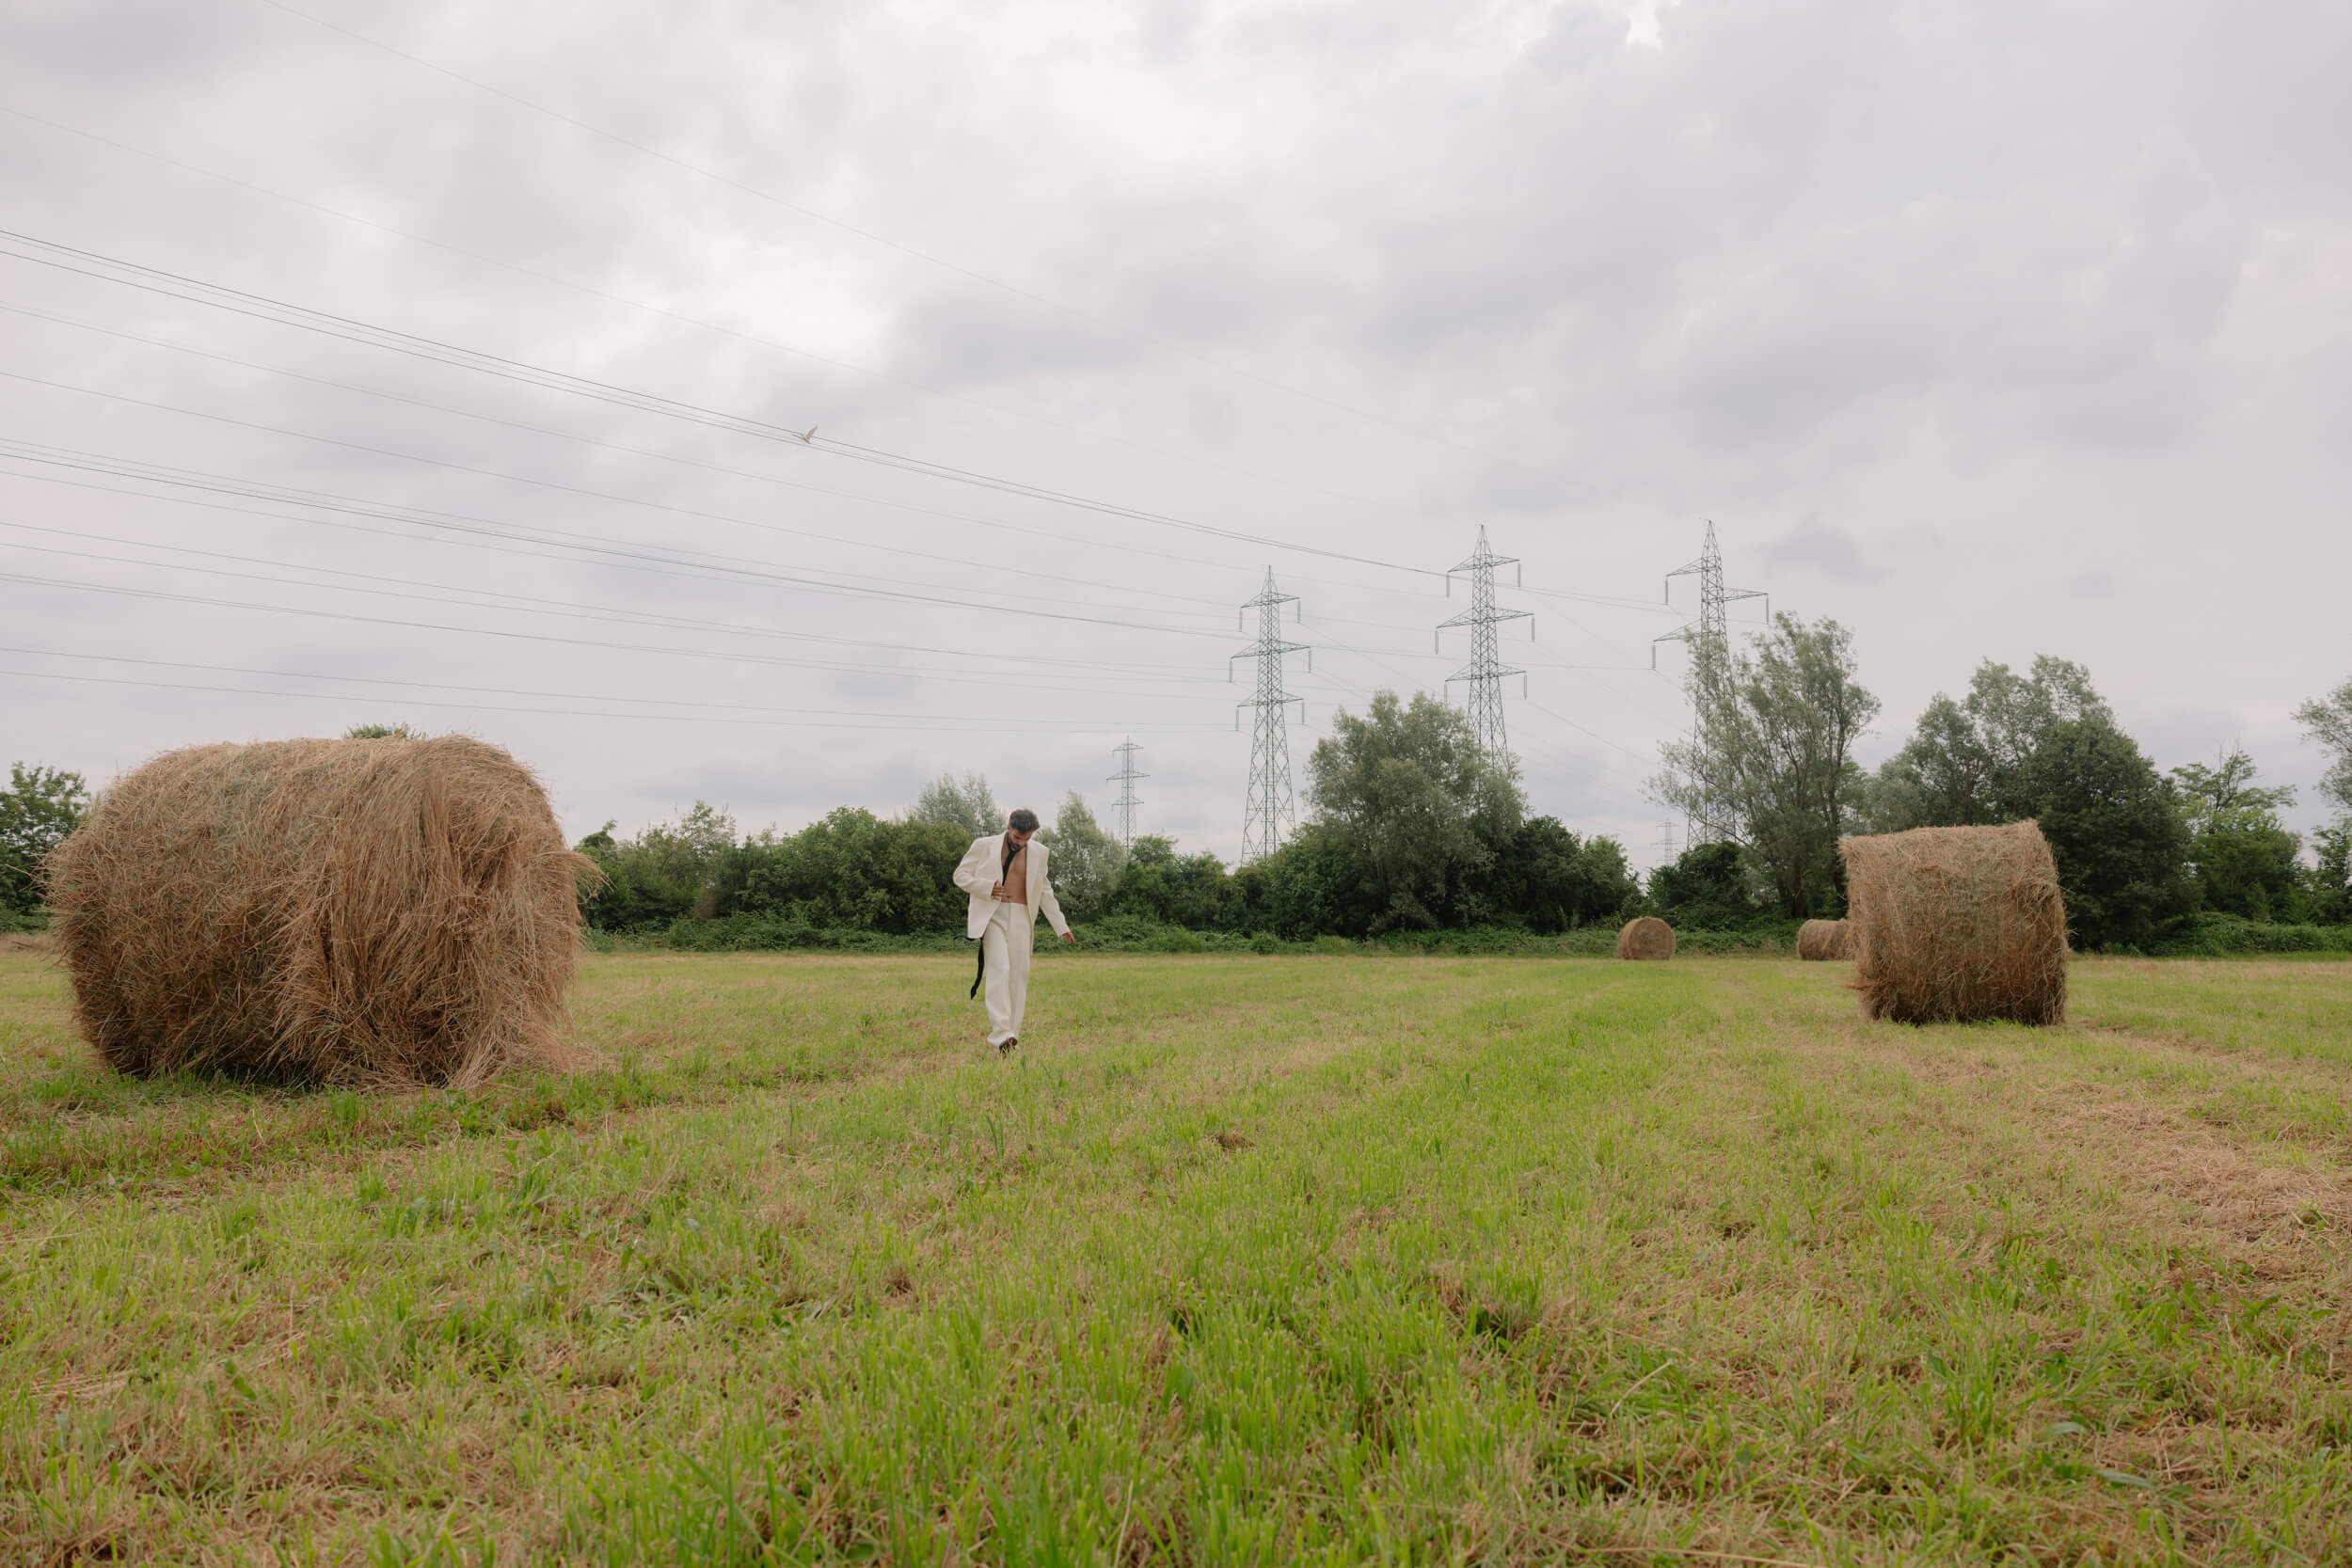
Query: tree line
x,y
1410,828
1769,769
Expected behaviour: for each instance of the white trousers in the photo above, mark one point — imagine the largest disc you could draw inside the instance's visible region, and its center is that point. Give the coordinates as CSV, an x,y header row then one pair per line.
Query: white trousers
x,y
1005,946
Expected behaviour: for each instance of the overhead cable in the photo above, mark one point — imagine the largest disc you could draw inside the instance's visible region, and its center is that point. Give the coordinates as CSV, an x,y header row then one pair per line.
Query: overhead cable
x,y
287,314
1091,432
958,724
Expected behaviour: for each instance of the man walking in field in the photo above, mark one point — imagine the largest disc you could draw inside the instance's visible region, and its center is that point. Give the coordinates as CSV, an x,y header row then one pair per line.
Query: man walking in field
x,y
1005,874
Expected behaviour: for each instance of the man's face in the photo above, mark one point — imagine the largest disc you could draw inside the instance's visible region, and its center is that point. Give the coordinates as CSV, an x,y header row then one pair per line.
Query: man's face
x,y
1018,836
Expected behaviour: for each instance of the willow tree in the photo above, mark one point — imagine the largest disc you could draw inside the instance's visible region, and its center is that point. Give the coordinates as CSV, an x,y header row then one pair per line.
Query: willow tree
x,y
1770,764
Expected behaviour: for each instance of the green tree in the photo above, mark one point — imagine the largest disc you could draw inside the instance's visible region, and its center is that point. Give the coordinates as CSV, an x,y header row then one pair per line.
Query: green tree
x,y
382,732
1192,891
1772,769
2115,827
2328,721
1547,880
1705,888
1318,884
1961,765
967,805
2244,860
2331,877
1086,861
41,806
852,870
666,871
1408,789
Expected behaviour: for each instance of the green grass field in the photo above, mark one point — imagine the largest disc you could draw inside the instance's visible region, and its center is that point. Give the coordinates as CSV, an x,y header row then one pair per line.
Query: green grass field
x,y
1248,1260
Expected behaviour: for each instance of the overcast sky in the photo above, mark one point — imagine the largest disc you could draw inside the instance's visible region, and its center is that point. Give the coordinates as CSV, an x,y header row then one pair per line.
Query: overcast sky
x,y
1988,330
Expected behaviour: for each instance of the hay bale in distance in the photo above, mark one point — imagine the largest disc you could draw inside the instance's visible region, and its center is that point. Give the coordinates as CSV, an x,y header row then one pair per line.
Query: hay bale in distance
x,y
1648,937
1819,940
1953,925
361,913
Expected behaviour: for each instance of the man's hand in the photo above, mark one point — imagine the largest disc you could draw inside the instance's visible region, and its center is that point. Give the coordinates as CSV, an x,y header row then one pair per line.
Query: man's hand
x,y
1069,935
998,893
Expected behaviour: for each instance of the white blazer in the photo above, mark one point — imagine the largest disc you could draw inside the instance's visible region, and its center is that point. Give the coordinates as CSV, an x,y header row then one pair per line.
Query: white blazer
x,y
984,867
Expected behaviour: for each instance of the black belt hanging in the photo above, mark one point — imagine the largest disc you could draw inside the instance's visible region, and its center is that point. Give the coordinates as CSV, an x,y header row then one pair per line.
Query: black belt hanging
x,y
980,955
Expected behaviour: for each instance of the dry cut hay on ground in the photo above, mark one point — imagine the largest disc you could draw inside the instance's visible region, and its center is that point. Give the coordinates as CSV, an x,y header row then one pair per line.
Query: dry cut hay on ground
x,y
1951,924
1647,938
361,913
1820,940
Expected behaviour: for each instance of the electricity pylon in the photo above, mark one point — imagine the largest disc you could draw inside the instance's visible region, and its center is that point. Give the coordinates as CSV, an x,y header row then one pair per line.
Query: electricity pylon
x,y
1709,641
1715,618
1486,669
1123,809
1270,809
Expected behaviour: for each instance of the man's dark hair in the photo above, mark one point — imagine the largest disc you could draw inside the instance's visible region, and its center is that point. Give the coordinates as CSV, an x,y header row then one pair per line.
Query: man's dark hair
x,y
1021,821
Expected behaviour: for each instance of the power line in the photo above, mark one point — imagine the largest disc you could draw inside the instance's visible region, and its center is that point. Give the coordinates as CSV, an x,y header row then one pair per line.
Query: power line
x,y
369,335
953,721
610,446
373,336
814,584
526,605
982,727
163,594
318,500
694,572
1091,432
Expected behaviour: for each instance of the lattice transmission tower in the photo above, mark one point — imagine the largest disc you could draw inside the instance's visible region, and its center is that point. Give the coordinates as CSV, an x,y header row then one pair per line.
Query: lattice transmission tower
x,y
1270,810
1123,809
1714,617
1709,640
1486,669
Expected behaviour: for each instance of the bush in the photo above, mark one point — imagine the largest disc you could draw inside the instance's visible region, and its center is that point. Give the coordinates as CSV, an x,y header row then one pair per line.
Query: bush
x,y
1705,888
2214,935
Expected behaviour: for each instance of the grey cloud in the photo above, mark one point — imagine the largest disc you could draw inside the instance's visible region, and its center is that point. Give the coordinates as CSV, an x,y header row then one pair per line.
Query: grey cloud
x,y
1817,546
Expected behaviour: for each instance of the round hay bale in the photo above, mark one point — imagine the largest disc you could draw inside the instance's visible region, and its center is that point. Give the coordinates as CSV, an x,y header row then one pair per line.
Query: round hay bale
x,y
1952,925
1819,940
359,912
1648,937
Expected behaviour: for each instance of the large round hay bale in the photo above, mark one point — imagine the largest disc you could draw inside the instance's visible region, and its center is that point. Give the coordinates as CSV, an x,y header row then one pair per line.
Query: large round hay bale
x,y
1957,923
1648,937
360,913
1819,940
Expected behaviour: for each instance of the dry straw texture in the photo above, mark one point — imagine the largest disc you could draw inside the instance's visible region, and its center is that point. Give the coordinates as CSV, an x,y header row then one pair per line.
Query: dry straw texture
x,y
1647,938
1820,940
361,913
1957,923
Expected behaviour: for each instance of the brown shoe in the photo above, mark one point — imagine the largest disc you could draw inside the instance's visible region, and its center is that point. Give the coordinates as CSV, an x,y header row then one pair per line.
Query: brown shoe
x,y
1005,1049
